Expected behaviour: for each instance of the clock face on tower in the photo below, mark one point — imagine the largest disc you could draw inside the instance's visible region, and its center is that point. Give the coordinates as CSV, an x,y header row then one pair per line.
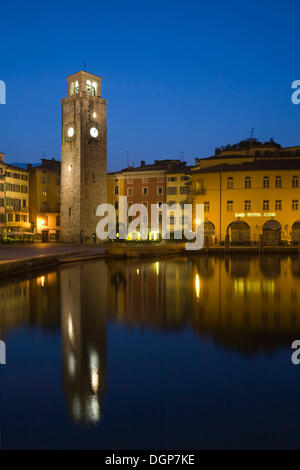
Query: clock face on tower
x,y
94,132
70,132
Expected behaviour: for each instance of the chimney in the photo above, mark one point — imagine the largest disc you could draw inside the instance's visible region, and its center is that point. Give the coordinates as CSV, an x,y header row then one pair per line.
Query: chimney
x,y
142,162
29,166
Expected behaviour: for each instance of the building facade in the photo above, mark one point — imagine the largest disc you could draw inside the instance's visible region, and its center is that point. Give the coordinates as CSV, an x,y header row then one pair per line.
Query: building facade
x,y
14,198
84,157
146,184
249,190
2,193
44,199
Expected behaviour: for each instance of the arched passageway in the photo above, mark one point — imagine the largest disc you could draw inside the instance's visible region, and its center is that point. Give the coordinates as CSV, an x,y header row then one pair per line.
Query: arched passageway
x,y
272,232
296,232
209,233
239,232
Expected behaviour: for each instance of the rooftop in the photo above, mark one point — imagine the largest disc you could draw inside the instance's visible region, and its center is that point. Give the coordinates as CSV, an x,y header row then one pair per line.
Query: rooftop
x,y
276,164
158,165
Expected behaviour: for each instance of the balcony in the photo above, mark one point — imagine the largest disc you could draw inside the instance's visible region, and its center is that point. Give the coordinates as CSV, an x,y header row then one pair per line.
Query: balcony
x,y
198,192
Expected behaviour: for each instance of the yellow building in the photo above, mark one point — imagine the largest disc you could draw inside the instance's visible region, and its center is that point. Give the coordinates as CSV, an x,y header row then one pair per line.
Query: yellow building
x,y
16,195
248,190
2,193
45,199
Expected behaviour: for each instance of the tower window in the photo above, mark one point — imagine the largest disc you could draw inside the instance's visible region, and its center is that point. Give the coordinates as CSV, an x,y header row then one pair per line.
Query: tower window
x,y
91,88
70,211
74,88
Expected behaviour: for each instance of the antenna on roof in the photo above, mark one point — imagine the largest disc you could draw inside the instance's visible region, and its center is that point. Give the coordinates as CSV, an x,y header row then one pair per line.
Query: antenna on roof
x,y
84,66
181,155
252,133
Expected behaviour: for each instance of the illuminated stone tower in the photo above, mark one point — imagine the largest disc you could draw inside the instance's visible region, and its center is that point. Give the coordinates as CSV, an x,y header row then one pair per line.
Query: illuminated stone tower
x,y
83,158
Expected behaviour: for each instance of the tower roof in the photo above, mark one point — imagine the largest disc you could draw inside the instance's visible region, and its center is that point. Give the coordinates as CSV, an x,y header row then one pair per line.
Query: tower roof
x,y
82,72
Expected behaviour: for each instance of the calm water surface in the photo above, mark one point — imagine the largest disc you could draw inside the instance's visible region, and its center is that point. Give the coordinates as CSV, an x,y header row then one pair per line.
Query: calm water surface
x,y
186,353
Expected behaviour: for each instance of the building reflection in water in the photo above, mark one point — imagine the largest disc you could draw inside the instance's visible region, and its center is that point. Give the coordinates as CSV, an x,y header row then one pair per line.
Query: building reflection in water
x,y
83,326
240,302
243,304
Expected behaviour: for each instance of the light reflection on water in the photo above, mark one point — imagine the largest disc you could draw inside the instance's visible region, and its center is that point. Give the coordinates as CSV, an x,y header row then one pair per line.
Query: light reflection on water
x,y
249,306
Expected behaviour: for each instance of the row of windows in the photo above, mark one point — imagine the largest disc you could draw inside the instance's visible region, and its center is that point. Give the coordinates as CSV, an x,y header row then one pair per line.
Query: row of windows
x,y
17,217
182,178
171,219
46,180
172,190
248,205
15,203
145,203
45,206
24,189
266,182
160,179
17,176
16,188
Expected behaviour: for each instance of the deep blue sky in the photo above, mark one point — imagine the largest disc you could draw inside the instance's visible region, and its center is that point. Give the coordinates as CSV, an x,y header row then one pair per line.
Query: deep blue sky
x,y
178,75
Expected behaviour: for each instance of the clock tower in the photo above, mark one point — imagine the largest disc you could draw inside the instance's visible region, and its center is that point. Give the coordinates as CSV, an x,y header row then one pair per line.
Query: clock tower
x,y
83,157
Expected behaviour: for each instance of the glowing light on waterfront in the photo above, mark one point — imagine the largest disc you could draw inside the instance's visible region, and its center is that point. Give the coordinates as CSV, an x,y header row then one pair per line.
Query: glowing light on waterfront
x,y
154,235
157,268
134,236
197,285
40,222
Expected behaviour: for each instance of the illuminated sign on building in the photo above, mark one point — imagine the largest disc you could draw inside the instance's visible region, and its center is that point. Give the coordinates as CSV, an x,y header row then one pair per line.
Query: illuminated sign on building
x,y
255,214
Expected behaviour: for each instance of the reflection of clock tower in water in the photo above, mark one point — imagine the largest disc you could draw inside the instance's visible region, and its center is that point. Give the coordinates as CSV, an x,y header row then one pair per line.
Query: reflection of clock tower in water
x,y
83,158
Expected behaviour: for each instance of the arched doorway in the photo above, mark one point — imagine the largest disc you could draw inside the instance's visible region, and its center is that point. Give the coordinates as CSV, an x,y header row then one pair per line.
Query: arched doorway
x,y
239,232
209,233
296,232
272,232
